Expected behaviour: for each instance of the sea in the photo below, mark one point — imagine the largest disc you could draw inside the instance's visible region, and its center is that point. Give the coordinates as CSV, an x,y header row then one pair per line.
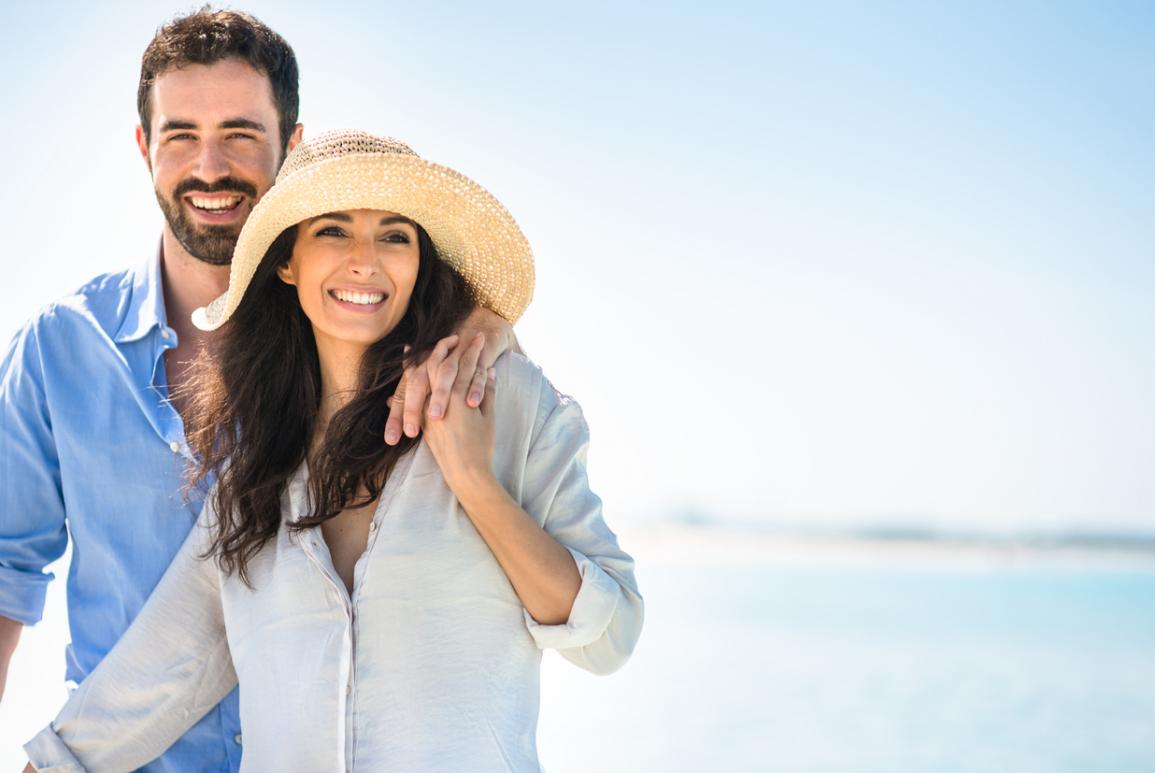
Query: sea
x,y
764,653
870,656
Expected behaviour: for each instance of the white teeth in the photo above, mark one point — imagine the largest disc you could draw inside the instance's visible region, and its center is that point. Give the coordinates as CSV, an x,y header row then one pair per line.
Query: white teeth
x,y
365,299
215,205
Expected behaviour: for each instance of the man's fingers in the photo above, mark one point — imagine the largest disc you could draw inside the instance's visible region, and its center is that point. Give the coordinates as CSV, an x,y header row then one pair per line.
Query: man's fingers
x,y
468,384
442,384
490,387
393,423
416,390
495,346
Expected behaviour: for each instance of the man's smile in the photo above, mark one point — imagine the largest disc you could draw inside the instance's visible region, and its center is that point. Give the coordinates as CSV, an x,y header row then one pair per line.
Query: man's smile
x,y
215,207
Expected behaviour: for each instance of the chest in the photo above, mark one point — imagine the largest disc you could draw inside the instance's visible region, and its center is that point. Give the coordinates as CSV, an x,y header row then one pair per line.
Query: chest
x,y
346,536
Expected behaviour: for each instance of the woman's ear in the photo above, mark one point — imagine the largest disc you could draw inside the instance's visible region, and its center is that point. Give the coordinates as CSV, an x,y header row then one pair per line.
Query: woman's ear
x,y
285,274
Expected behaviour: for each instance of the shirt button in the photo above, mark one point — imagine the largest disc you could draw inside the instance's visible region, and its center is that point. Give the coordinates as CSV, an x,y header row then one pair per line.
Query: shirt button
x,y
165,333
237,738
175,446
372,527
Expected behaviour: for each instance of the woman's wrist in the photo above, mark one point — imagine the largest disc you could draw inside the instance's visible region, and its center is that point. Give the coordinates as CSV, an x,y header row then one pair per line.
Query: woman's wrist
x,y
477,490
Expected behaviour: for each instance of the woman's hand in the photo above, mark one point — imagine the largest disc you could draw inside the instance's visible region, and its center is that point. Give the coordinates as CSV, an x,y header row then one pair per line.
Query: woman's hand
x,y
462,440
424,392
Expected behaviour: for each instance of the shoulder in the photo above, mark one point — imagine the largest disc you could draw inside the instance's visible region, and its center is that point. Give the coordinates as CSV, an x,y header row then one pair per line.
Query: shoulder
x,y
525,395
99,305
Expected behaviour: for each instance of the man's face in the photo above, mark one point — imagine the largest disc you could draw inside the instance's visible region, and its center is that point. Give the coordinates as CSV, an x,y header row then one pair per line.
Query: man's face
x,y
214,150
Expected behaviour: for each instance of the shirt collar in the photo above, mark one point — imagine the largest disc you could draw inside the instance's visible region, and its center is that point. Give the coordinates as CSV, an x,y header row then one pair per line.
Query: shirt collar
x,y
145,302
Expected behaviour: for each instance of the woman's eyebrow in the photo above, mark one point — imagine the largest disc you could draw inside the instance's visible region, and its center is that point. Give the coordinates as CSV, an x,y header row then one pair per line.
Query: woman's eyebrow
x,y
342,217
394,219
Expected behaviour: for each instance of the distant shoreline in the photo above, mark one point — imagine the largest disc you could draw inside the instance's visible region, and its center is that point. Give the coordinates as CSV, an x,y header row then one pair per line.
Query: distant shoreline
x,y
883,547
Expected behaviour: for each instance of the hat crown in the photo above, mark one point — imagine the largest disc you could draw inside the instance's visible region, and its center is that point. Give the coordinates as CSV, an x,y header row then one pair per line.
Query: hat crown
x,y
338,144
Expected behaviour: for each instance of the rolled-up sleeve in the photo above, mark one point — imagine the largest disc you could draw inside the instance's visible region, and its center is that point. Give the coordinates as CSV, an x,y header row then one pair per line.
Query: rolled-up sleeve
x,y
169,669
606,619
32,524
49,754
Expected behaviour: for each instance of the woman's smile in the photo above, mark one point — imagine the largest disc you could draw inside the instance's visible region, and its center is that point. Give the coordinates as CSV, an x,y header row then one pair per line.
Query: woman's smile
x,y
359,300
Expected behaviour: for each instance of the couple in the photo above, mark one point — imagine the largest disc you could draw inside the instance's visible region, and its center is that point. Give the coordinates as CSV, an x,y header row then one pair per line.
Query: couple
x,y
382,602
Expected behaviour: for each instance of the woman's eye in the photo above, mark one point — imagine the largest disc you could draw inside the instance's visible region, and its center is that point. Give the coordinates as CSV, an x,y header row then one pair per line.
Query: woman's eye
x,y
330,230
397,237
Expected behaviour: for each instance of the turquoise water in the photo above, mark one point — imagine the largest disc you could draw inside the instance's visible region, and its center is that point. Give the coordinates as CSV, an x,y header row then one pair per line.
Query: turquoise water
x,y
761,669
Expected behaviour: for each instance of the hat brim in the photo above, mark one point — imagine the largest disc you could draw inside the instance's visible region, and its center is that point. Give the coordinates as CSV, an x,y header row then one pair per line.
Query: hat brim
x,y
470,228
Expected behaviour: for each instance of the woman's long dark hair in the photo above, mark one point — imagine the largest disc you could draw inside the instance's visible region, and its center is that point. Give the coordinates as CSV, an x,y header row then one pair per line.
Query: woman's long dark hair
x,y
253,399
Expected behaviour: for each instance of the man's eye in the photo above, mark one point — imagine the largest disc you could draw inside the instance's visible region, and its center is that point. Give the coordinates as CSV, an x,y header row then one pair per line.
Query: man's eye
x,y
239,136
184,136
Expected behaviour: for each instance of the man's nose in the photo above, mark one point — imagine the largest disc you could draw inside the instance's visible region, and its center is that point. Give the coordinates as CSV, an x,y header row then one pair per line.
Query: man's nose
x,y
212,164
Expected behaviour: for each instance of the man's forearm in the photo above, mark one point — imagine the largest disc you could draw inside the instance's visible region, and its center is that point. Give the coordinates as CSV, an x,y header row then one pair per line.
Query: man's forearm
x,y
9,635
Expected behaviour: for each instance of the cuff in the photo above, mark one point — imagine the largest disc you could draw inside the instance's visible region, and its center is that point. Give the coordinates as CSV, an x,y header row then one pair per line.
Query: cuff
x,y
594,607
22,594
48,754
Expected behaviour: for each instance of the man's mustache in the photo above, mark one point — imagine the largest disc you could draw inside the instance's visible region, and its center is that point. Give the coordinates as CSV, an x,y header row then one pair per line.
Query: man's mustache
x,y
229,184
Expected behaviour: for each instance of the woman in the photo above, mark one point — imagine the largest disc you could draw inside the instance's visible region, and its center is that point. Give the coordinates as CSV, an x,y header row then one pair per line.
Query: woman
x,y
382,607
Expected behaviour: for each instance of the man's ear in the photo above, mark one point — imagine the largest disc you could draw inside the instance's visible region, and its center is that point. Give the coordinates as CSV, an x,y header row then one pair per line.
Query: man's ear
x,y
142,145
286,275
294,138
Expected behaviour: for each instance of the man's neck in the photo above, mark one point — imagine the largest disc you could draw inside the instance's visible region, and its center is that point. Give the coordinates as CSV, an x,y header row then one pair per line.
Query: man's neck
x,y
188,284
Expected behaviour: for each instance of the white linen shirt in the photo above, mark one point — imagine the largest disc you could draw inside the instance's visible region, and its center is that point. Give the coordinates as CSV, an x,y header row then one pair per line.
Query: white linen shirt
x,y
431,664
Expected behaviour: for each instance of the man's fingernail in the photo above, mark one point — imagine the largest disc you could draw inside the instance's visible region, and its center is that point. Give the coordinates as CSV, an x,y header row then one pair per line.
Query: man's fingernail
x,y
492,374
411,430
392,435
475,398
435,411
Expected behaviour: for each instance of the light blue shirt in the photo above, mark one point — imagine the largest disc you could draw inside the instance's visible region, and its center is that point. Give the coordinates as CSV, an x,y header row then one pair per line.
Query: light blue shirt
x,y
90,447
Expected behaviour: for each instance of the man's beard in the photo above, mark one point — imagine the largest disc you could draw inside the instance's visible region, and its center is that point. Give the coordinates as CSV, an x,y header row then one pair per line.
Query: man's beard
x,y
212,244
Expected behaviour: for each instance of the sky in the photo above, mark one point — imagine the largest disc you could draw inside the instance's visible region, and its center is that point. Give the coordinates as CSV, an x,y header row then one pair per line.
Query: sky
x,y
813,265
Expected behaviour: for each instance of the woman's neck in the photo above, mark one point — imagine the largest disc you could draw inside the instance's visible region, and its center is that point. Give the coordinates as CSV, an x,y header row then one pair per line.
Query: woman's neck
x,y
340,371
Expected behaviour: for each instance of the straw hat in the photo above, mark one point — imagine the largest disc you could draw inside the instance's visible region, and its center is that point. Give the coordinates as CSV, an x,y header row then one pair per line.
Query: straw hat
x,y
342,170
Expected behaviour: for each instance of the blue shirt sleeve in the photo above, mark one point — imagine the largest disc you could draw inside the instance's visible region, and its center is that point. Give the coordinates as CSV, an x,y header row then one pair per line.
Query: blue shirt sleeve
x,y
32,523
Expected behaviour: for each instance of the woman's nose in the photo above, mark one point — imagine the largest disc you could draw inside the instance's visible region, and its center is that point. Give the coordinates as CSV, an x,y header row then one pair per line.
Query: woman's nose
x,y
363,258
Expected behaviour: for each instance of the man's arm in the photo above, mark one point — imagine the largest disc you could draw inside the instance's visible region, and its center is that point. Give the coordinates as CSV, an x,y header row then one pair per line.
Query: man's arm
x,y
9,635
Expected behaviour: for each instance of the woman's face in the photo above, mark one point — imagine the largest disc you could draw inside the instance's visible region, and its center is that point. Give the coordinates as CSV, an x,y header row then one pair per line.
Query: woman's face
x,y
354,272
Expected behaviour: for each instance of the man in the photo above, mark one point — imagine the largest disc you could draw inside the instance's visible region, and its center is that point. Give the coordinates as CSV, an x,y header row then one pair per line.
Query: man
x,y
91,438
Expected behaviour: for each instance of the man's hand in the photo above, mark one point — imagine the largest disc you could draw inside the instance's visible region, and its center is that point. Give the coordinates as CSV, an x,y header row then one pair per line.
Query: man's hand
x,y
422,383
9,635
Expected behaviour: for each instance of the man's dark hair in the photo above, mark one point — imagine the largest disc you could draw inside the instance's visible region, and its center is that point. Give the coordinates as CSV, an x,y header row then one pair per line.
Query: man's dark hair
x,y
208,37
